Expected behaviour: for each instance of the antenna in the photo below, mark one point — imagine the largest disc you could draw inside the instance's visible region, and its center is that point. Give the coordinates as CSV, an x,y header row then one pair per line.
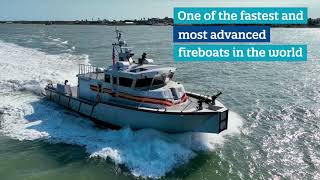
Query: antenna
x,y
118,32
120,41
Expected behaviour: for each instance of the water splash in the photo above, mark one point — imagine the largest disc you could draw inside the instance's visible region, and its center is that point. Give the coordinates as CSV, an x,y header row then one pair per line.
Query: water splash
x,y
26,116
30,69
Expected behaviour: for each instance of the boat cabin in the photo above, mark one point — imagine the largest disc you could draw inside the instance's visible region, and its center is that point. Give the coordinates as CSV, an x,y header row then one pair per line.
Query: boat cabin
x,y
132,82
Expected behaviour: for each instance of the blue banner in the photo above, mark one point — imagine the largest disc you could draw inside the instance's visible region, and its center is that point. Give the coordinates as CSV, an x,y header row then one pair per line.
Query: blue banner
x,y
221,34
222,53
261,15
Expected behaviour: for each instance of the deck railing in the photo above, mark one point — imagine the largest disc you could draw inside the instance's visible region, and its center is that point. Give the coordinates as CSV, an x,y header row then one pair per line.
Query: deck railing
x,y
85,69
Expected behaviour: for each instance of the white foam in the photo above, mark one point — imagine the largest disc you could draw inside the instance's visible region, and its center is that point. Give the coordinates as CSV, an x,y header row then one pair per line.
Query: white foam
x,y
25,116
56,41
209,141
29,69
146,153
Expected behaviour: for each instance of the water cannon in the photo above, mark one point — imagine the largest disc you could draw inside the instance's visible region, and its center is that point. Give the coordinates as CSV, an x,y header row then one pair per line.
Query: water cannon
x,y
210,102
214,97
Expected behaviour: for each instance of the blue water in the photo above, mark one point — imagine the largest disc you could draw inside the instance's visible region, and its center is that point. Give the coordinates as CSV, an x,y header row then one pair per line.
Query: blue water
x,y
275,108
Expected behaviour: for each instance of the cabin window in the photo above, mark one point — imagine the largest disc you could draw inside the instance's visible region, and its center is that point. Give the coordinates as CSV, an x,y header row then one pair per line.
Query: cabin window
x,y
158,80
107,78
114,80
146,82
174,93
138,70
99,88
126,82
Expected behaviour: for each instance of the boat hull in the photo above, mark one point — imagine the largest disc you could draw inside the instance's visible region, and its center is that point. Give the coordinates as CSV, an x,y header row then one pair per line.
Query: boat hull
x,y
139,118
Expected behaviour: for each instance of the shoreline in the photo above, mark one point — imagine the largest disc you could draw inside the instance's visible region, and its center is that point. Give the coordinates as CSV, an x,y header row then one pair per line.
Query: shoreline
x,y
93,23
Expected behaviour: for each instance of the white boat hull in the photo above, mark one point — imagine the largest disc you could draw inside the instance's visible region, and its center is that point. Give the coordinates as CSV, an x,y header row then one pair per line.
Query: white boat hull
x,y
140,118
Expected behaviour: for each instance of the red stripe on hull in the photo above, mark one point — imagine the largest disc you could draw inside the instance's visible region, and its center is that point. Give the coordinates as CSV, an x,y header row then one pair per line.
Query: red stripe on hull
x,y
164,102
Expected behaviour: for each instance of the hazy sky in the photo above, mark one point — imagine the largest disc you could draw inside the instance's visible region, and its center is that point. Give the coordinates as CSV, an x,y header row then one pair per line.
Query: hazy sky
x,y
125,9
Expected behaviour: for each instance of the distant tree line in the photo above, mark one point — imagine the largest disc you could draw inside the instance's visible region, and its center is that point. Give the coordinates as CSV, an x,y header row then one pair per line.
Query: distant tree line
x,y
146,21
143,21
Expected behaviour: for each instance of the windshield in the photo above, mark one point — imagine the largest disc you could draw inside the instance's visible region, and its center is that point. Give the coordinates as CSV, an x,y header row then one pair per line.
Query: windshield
x,y
146,82
159,81
156,82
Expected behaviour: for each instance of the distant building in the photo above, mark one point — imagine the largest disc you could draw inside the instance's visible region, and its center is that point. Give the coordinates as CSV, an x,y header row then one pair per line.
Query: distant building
x,y
130,23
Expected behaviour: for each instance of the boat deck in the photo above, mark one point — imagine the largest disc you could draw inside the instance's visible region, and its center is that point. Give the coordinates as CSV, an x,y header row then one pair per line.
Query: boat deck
x,y
189,106
192,106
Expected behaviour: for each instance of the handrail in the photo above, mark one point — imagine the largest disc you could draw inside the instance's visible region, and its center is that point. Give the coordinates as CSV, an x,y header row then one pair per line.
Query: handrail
x,y
85,68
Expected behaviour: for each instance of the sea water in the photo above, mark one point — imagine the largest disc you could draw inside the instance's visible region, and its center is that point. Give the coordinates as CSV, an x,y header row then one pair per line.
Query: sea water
x,y
273,127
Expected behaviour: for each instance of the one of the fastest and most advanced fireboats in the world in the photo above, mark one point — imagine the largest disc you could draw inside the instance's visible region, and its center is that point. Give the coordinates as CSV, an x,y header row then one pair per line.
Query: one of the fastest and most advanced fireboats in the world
x,y
139,94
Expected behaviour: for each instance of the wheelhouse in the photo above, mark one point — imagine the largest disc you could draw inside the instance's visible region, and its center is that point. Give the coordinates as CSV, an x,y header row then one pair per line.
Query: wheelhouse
x,y
142,78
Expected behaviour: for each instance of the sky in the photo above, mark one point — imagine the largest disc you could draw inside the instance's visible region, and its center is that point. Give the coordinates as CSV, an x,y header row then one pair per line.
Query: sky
x,y
127,9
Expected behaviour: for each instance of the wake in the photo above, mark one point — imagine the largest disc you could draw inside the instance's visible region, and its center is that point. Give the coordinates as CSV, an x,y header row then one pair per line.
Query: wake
x,y
25,115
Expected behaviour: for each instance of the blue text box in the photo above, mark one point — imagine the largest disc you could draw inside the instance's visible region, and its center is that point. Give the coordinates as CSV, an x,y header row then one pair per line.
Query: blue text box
x,y
204,33
218,52
181,18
